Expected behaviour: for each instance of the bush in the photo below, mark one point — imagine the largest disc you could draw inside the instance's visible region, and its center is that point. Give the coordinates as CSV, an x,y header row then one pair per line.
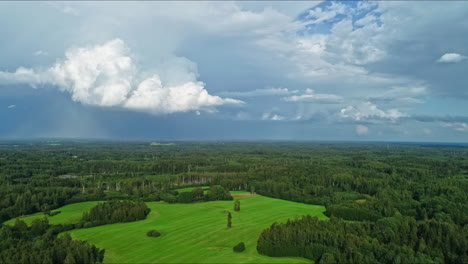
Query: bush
x,y
153,233
198,193
217,193
239,247
185,197
237,206
169,198
54,213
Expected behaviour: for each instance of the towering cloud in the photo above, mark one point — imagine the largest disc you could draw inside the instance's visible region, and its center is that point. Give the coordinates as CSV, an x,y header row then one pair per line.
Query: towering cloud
x,y
106,75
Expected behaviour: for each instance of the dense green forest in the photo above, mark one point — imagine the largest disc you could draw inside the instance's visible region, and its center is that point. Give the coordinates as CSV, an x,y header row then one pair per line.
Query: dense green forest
x,y
397,239
365,188
40,244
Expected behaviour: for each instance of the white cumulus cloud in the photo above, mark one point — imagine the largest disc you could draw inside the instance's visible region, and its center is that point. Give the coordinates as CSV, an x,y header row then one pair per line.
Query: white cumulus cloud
x,y
100,75
451,58
106,75
367,111
153,96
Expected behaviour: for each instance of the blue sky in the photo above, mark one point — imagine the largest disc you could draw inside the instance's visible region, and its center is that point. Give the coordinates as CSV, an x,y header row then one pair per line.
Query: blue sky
x,y
391,71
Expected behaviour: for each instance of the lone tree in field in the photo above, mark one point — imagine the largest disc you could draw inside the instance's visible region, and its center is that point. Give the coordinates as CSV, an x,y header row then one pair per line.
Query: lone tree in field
x,y
229,219
237,206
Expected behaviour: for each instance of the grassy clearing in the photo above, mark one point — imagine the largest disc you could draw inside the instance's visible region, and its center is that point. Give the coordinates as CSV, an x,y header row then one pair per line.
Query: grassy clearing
x,y
196,233
191,233
69,214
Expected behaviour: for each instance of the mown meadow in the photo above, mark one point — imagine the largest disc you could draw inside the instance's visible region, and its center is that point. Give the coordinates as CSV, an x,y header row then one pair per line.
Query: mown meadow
x,y
191,233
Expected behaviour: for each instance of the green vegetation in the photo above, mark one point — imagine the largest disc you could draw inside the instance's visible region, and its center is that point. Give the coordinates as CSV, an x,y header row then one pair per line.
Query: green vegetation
x,y
69,214
39,244
215,193
397,239
229,220
239,247
195,233
114,212
153,233
189,189
237,205
370,187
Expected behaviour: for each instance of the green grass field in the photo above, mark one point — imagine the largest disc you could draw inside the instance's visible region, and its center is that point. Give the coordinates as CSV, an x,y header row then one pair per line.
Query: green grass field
x,y
189,189
70,214
191,233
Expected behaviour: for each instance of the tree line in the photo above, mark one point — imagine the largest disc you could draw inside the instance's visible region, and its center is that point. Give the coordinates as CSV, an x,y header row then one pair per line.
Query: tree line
x,y
397,239
111,212
215,193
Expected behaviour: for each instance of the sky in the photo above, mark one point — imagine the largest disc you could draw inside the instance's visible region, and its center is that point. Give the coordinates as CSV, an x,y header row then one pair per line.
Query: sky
x,y
220,70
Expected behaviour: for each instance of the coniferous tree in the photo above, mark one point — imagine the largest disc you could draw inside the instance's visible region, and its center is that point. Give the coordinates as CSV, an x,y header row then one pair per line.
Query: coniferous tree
x,y
237,205
229,220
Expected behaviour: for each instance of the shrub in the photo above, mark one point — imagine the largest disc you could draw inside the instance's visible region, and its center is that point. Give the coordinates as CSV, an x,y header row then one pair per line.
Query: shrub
x,y
237,206
153,233
239,247
54,213
169,198
217,193
185,197
198,193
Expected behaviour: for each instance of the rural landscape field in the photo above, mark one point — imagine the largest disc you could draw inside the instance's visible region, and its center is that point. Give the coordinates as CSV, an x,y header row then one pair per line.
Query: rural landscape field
x,y
233,202
192,233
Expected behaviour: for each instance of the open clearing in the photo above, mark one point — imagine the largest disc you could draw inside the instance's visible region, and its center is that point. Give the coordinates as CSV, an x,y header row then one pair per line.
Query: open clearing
x,y
191,233
69,214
